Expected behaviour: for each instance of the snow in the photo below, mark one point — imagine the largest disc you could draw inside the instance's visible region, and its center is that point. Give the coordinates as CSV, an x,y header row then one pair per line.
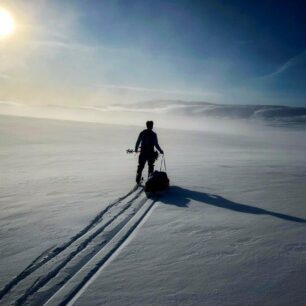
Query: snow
x,y
230,231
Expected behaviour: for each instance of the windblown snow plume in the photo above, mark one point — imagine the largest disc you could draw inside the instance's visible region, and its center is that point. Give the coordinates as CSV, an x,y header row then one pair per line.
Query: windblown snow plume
x,y
187,115
227,111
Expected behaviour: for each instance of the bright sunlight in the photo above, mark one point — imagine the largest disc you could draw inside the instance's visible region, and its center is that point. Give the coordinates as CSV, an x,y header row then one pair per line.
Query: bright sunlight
x,y
7,24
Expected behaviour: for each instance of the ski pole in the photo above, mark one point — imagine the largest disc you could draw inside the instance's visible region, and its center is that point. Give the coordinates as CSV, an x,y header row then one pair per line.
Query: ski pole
x,y
130,151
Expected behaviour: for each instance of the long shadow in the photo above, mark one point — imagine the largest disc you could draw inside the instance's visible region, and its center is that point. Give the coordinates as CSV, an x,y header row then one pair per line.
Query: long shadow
x,y
181,197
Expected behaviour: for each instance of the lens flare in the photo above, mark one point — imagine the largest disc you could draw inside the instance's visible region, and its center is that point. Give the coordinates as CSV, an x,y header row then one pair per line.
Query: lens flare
x,y
7,24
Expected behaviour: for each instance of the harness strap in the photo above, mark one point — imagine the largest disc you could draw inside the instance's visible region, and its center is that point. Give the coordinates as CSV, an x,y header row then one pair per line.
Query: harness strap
x,y
163,162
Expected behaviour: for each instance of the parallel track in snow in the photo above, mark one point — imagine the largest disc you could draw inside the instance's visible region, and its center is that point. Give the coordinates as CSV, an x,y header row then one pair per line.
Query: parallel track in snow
x,y
57,275
50,253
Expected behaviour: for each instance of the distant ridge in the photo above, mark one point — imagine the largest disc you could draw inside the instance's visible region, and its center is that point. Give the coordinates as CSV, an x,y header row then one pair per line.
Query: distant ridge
x,y
226,111
165,110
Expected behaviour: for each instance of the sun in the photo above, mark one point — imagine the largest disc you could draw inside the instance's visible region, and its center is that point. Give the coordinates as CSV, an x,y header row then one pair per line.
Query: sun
x,y
7,24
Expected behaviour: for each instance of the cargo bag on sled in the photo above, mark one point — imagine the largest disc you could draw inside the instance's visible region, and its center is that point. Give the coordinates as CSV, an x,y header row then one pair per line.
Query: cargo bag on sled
x,y
158,180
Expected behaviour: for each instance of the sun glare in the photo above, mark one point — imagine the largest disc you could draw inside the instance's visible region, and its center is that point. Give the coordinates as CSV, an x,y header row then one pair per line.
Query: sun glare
x,y
7,24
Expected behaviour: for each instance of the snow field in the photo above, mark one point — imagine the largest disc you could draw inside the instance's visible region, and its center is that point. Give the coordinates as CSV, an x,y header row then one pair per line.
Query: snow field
x,y
231,229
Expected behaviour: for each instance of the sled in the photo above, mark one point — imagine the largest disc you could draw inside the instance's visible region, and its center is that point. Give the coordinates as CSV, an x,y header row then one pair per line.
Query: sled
x,y
158,182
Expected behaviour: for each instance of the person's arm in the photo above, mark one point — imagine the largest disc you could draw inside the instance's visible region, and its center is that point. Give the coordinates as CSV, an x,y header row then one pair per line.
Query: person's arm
x,y
138,142
157,145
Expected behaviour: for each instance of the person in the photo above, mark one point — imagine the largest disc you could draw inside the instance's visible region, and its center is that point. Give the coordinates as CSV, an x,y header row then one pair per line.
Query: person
x,y
148,140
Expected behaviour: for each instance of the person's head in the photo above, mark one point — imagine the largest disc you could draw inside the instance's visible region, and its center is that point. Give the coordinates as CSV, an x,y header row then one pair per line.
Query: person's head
x,y
149,125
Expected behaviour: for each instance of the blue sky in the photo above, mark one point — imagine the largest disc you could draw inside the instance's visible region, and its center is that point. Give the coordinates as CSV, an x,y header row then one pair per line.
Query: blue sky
x,y
242,52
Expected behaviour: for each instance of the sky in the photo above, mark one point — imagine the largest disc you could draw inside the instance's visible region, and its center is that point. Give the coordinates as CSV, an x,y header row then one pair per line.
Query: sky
x,y
99,52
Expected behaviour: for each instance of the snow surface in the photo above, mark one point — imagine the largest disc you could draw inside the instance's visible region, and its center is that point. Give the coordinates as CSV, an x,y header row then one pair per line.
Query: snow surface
x,y
230,231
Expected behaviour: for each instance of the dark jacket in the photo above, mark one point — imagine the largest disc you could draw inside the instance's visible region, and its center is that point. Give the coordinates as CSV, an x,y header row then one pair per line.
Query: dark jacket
x,y
148,140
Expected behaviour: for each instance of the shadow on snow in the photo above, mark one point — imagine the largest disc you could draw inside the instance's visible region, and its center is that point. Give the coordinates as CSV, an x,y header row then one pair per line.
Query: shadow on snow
x,y
181,197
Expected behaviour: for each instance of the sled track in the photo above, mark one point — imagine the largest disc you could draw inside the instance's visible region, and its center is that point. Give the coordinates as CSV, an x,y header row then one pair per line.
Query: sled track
x,y
50,253
56,276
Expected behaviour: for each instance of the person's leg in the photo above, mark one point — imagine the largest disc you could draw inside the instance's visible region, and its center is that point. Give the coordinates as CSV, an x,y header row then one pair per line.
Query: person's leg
x,y
141,164
151,161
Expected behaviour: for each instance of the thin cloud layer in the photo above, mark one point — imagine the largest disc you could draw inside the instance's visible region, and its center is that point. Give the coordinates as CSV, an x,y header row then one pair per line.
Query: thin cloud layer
x,y
291,62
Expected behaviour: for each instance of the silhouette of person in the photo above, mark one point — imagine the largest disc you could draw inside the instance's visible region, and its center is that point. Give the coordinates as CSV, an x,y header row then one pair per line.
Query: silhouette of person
x,y
148,140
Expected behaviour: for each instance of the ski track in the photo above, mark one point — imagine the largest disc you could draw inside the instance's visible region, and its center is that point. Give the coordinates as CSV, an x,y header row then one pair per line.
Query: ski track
x,y
70,292
51,270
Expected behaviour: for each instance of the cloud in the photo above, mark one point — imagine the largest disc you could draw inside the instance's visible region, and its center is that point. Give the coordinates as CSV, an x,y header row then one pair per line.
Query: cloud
x,y
59,44
162,91
291,62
